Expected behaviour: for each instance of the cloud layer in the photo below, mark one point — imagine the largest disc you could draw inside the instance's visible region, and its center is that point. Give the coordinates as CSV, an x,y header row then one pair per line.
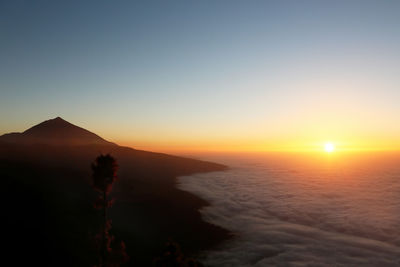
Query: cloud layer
x,y
287,215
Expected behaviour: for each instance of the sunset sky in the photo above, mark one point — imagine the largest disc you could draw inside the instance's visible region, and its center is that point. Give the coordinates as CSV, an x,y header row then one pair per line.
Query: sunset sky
x,y
206,75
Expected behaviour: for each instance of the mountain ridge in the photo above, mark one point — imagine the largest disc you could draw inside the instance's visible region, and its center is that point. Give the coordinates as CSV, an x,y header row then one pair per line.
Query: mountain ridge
x,y
55,131
49,194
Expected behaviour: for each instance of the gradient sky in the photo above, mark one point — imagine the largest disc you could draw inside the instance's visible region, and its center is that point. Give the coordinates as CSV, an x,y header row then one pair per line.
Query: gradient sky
x,y
217,75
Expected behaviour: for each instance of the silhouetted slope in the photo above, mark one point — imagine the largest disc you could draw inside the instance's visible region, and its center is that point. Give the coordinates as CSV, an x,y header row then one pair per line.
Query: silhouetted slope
x,y
55,132
49,202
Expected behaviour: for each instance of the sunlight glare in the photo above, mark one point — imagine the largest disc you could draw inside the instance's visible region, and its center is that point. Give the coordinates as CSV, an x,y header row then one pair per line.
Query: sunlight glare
x,y
329,147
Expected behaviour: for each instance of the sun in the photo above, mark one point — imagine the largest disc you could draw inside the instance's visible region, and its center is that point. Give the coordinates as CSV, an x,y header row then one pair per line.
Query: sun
x,y
329,147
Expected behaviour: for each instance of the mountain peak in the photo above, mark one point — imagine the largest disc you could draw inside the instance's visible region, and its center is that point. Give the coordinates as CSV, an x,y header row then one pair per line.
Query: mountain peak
x,y
56,124
58,119
55,131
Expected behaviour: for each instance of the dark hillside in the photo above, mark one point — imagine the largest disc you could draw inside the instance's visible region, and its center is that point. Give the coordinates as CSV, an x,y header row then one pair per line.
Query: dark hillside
x,y
48,203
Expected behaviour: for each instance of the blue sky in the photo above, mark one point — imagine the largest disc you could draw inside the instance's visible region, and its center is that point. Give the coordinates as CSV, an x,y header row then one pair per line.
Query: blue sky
x,y
178,72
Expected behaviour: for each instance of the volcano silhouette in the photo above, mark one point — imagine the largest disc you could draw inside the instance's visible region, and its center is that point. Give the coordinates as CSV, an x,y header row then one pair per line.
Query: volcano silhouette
x,y
55,132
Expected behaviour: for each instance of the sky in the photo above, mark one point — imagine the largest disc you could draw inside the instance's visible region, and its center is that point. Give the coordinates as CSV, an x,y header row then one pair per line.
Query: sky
x,y
206,75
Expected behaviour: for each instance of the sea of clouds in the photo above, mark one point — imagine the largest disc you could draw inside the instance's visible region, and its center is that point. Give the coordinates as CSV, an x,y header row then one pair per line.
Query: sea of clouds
x,y
282,214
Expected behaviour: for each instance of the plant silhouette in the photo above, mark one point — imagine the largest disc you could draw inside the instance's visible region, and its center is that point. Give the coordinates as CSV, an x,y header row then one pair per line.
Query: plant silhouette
x,y
104,174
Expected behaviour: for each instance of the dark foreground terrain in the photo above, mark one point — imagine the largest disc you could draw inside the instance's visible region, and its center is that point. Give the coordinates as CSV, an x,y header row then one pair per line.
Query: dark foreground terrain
x,y
47,204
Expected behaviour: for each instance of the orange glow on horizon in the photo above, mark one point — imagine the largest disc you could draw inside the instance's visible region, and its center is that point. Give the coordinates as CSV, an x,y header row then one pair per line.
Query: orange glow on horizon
x,y
236,146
